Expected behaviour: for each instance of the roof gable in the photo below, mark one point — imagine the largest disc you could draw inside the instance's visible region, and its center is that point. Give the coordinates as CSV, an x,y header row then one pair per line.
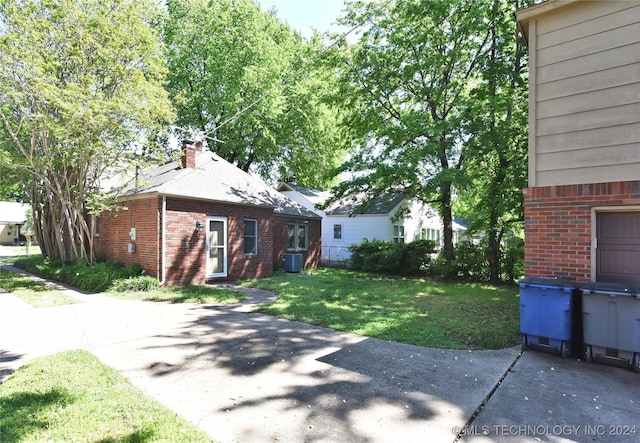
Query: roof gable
x,y
348,205
358,206
314,195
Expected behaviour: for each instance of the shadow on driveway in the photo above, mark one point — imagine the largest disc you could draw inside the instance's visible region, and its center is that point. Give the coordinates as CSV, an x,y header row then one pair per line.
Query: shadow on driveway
x,y
271,379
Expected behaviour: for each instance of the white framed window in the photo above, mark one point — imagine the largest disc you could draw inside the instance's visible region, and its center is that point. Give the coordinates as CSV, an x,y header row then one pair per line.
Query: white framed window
x,y
96,225
337,232
434,234
297,235
250,236
398,233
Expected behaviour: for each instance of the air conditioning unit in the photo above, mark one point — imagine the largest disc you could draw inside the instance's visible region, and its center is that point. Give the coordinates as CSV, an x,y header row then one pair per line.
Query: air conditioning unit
x,y
292,262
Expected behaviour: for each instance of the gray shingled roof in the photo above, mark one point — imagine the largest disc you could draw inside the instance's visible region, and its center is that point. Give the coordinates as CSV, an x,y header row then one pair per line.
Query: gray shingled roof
x,y
348,205
214,179
353,205
314,195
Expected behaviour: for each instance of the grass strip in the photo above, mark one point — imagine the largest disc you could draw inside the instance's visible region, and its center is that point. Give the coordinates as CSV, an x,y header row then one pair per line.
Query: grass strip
x,y
183,294
32,292
72,396
415,311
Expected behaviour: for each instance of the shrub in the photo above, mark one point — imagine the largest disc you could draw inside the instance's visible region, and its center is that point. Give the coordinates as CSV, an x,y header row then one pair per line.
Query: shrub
x,y
92,278
392,258
513,260
471,261
471,264
141,283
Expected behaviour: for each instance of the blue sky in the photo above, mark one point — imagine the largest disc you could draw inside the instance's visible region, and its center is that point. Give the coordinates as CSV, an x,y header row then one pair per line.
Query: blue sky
x,y
304,15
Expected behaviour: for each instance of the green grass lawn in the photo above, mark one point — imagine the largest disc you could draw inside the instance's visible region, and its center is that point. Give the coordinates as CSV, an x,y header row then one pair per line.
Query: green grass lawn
x,y
184,294
32,292
73,396
414,311
37,294
19,250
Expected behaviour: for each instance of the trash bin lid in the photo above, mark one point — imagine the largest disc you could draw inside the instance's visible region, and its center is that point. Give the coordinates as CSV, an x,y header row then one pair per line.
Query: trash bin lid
x,y
611,288
547,282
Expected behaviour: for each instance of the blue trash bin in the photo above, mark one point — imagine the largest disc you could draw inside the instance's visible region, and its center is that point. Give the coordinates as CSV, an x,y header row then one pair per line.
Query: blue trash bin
x,y
546,314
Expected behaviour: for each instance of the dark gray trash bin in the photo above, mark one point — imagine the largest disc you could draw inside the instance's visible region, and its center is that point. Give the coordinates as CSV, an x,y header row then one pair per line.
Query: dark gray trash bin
x,y
611,323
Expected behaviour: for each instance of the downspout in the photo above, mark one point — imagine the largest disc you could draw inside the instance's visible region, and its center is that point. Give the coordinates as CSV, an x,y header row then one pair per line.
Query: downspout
x,y
162,241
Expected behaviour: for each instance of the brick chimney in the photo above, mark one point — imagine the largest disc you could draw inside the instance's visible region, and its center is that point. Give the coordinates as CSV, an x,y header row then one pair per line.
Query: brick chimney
x,y
189,154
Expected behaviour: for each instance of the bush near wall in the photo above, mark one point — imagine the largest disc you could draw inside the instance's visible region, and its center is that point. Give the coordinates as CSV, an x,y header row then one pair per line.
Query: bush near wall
x,y
385,257
470,263
415,259
92,278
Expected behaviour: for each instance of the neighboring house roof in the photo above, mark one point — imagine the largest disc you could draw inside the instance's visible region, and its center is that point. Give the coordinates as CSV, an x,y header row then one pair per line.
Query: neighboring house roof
x,y
213,179
460,223
13,213
354,205
348,205
314,195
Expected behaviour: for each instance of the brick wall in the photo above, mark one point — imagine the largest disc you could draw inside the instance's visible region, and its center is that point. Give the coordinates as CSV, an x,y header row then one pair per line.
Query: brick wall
x,y
311,257
112,242
186,247
185,253
558,226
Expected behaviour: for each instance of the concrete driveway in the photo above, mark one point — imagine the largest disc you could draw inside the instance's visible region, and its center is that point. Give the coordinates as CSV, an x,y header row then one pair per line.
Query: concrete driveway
x,y
247,377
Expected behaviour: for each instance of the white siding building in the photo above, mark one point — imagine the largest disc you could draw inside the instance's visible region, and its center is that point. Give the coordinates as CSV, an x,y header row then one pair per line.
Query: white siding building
x,y
344,225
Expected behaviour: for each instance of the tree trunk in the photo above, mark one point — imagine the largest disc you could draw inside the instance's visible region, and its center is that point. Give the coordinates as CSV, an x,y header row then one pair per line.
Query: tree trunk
x,y
447,222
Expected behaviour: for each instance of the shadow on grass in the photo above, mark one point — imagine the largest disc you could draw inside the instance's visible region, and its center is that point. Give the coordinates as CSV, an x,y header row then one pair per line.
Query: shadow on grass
x,y
5,372
140,436
10,281
203,294
25,413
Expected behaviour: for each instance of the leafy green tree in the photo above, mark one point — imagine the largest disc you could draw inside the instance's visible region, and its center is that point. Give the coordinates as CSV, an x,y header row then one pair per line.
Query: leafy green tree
x,y
81,85
10,189
406,85
496,166
243,78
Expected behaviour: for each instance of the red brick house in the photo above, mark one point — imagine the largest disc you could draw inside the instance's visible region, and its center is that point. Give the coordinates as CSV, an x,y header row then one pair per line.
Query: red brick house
x,y
203,219
582,205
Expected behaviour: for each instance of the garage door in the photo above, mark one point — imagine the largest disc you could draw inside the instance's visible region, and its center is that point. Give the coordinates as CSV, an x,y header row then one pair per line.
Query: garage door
x,y
618,247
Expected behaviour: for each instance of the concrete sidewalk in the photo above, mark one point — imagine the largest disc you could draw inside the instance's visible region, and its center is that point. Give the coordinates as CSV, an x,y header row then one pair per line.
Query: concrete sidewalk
x,y
242,376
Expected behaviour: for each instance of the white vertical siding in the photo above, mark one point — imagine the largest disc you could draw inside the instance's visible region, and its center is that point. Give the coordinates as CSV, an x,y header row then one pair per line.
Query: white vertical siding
x,y
354,231
375,227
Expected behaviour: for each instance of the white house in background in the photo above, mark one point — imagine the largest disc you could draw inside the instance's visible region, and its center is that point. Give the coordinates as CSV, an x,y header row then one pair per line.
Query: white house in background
x,y
342,226
13,215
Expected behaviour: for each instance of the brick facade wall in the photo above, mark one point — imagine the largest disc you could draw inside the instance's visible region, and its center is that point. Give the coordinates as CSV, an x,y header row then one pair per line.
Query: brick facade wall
x,y
186,247
112,242
558,226
311,257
